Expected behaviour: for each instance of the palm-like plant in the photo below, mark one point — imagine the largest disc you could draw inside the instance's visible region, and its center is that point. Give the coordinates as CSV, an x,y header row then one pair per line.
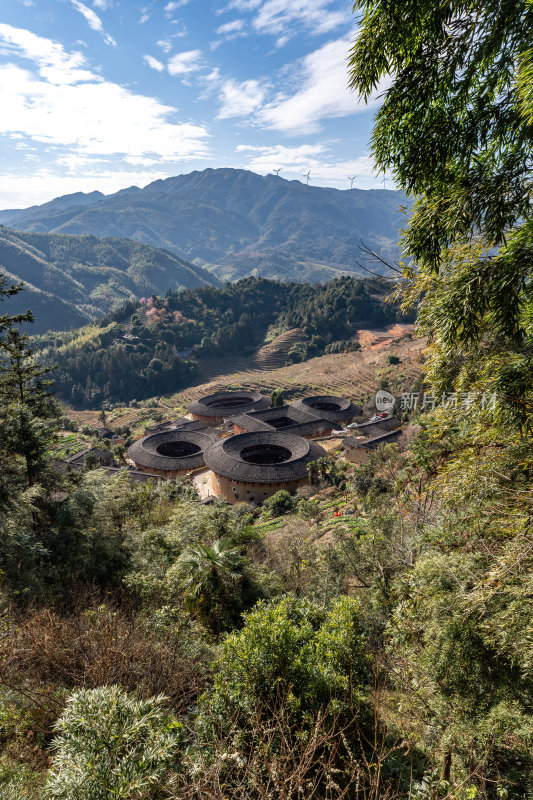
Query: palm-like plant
x,y
210,576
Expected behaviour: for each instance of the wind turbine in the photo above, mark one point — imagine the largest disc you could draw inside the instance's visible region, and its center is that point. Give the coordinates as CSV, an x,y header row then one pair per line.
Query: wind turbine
x,y
384,179
308,176
351,180
277,171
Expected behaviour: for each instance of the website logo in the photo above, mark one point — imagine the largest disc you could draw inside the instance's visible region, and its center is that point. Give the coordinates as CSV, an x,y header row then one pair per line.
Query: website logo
x,y
384,400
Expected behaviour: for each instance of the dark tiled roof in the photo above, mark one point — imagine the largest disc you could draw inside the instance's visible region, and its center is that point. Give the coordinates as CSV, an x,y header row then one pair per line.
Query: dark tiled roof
x,y
372,444
297,415
169,423
250,422
350,442
385,438
225,457
334,409
193,425
314,426
381,425
227,404
145,451
97,452
295,420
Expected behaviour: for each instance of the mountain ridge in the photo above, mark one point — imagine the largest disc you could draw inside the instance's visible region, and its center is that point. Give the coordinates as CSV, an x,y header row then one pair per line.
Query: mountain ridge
x,y
72,280
236,222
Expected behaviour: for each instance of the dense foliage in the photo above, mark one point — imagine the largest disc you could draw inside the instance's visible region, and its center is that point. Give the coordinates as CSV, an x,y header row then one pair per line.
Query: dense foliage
x,y
463,146
147,349
72,280
393,660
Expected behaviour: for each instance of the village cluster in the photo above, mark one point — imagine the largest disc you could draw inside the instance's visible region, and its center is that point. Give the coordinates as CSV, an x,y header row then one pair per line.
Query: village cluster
x,y
250,449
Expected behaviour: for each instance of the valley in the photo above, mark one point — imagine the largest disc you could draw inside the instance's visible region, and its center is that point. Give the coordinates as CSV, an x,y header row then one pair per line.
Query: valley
x,y
166,344
72,280
356,375
266,425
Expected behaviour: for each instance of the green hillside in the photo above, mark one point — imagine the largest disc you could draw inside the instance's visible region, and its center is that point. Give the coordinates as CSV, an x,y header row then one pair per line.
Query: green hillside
x,y
153,347
72,280
236,223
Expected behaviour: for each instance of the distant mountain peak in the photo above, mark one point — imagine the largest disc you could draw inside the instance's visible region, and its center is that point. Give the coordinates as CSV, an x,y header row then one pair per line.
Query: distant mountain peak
x,y
216,215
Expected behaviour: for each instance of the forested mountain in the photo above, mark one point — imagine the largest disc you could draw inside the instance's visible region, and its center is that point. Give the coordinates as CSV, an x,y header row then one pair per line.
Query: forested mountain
x,y
236,222
150,348
10,216
71,280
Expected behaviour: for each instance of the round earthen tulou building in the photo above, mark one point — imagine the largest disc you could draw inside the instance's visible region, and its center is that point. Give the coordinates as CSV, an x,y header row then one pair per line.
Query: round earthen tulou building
x,y
215,408
253,466
333,409
170,453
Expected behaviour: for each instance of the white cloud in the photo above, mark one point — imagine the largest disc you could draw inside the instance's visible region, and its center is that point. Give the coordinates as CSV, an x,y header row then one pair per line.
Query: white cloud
x,y
283,18
268,158
185,63
323,93
240,99
213,76
231,27
44,184
170,8
294,162
102,5
55,65
154,63
244,5
145,15
166,44
211,82
93,20
62,104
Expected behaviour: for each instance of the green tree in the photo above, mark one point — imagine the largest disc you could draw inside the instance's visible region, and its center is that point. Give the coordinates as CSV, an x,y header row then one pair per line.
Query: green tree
x,y
277,398
462,147
212,577
313,472
281,502
29,416
454,129
294,663
309,510
7,321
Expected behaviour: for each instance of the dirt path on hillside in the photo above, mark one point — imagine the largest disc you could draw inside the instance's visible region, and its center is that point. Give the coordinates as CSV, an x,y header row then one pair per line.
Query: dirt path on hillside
x,y
375,338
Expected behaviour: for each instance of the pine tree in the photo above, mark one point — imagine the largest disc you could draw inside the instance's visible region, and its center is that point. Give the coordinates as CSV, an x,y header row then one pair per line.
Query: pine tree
x,y
28,415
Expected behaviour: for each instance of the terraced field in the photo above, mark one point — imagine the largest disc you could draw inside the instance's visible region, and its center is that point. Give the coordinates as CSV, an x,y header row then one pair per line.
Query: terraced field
x,y
356,375
275,354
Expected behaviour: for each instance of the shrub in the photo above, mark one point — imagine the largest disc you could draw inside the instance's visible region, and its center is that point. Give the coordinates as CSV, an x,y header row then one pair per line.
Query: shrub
x,y
289,688
94,645
291,647
280,503
110,745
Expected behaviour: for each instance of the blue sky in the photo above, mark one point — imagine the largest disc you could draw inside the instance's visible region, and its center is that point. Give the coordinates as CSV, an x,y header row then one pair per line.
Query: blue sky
x,y
105,94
